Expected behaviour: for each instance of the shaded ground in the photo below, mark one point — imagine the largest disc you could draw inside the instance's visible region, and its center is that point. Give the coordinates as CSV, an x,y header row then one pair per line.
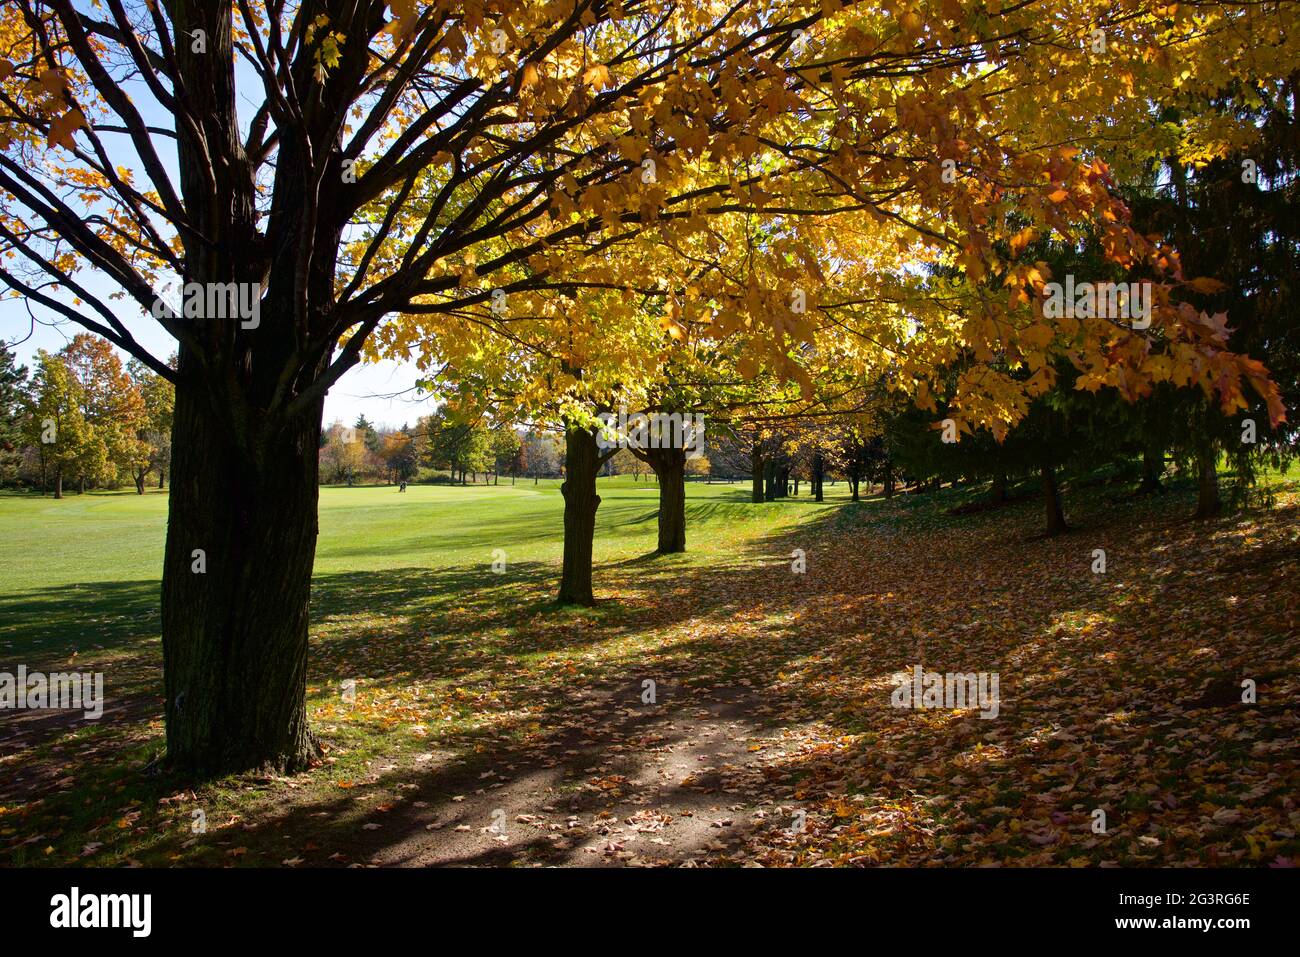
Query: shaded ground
x,y
491,728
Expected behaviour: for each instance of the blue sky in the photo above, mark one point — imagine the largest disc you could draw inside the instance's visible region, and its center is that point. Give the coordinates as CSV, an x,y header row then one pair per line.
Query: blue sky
x,y
364,390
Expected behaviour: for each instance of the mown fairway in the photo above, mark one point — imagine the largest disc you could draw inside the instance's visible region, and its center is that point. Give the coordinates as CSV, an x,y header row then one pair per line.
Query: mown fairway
x,y
81,575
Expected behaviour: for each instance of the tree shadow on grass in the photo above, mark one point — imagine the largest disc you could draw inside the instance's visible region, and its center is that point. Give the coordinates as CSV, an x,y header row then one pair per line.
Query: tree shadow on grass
x,y
52,623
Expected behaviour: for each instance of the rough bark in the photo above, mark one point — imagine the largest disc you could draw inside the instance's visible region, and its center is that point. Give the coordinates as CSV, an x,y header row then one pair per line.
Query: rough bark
x,y
235,635
582,463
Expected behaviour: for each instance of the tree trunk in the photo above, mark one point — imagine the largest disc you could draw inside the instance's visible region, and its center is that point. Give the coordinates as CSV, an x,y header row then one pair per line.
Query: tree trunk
x,y
998,493
670,469
139,481
1208,504
161,477
58,483
783,482
1153,466
582,463
819,470
235,635
756,474
1052,502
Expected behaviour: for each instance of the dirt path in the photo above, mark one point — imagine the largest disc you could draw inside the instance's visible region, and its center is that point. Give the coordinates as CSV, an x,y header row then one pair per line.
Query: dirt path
x,y
624,783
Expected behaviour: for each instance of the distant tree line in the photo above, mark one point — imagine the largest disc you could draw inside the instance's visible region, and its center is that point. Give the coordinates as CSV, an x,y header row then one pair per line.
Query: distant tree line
x,y
82,419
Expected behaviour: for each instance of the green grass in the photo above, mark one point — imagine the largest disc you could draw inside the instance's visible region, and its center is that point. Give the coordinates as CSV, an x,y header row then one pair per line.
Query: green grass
x,y
81,574
118,536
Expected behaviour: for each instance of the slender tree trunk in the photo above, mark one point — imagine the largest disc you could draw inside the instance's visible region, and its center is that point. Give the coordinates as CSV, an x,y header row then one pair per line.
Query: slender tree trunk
x,y
161,477
241,541
139,481
670,469
58,483
1052,502
1208,504
998,493
1153,466
783,482
756,474
819,470
582,464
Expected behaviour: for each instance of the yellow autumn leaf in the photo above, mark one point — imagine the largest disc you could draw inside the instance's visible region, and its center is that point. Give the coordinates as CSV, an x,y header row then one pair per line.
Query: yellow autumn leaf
x,y
597,77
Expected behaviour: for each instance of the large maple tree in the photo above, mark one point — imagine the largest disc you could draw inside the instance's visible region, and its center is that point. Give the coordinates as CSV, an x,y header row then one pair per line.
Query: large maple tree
x,y
419,160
